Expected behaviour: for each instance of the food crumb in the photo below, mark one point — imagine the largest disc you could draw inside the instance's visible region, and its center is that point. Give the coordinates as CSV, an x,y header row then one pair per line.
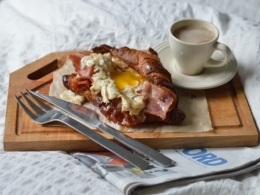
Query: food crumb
x,y
70,96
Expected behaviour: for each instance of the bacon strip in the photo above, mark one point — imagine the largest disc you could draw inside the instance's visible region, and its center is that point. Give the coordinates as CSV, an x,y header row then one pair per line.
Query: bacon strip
x,y
87,72
158,100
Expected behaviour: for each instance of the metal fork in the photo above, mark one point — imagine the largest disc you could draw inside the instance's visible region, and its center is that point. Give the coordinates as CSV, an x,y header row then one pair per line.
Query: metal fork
x,y
45,114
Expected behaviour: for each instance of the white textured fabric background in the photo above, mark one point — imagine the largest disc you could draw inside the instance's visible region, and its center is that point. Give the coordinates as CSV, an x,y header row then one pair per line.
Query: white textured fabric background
x,y
31,29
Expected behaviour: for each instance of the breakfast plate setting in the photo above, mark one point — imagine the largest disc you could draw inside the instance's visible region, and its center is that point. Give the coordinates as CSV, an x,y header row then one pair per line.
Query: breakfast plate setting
x,y
208,78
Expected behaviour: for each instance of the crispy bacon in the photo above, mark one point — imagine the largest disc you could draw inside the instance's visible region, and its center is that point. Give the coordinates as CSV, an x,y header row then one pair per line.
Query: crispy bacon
x,y
76,58
87,72
158,100
113,112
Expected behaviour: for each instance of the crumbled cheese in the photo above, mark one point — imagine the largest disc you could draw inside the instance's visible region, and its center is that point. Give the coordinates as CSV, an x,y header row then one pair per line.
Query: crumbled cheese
x,y
69,96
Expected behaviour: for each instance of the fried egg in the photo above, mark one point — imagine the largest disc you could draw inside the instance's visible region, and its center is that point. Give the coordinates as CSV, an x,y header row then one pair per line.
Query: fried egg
x,y
114,79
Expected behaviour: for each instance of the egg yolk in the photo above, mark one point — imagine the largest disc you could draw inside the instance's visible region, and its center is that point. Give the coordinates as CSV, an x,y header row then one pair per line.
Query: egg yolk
x,y
129,77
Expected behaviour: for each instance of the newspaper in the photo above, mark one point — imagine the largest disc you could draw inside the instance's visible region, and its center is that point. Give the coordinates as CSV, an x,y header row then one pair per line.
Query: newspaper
x,y
192,164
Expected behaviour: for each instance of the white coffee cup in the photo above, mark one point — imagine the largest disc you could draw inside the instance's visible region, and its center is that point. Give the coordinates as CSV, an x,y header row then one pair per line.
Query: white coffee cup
x,y
192,42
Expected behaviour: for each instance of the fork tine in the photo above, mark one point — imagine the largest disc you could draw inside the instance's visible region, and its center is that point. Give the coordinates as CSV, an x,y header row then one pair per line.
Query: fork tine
x,y
33,116
45,106
33,106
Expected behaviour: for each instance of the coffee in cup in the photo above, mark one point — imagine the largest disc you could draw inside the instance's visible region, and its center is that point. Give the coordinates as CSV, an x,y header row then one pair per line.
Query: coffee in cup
x,y
194,34
192,42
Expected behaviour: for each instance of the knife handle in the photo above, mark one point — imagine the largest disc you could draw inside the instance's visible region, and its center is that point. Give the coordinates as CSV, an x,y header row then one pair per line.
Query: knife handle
x,y
137,146
108,144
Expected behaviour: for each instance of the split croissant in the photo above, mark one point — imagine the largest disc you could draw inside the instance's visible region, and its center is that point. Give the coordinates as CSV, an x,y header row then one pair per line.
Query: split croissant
x,y
161,98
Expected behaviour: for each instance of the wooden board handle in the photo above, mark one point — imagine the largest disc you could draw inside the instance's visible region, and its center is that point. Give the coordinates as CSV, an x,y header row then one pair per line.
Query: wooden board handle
x,y
45,70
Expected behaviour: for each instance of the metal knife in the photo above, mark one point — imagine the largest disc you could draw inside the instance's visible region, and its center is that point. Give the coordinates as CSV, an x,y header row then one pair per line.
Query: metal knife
x,y
90,116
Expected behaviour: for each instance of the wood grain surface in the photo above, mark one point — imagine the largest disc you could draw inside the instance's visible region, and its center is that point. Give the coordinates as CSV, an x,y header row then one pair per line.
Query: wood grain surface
x,y
230,114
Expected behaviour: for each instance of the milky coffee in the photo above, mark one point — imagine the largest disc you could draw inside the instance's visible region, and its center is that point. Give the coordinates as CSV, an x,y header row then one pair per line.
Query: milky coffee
x,y
194,34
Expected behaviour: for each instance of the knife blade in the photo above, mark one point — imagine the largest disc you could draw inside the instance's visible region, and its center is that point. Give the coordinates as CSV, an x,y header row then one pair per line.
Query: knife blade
x,y
90,116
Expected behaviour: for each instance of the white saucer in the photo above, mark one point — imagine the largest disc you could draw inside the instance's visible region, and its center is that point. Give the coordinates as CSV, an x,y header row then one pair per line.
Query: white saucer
x,y
209,78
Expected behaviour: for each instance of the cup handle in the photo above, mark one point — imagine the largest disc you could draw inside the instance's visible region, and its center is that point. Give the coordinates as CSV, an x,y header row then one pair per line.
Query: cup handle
x,y
226,52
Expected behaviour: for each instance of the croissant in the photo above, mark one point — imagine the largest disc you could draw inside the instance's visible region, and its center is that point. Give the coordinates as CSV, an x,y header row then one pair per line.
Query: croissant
x,y
161,100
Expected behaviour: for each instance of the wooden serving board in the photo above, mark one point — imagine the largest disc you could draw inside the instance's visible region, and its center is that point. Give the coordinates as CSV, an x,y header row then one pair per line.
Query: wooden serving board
x,y
230,114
